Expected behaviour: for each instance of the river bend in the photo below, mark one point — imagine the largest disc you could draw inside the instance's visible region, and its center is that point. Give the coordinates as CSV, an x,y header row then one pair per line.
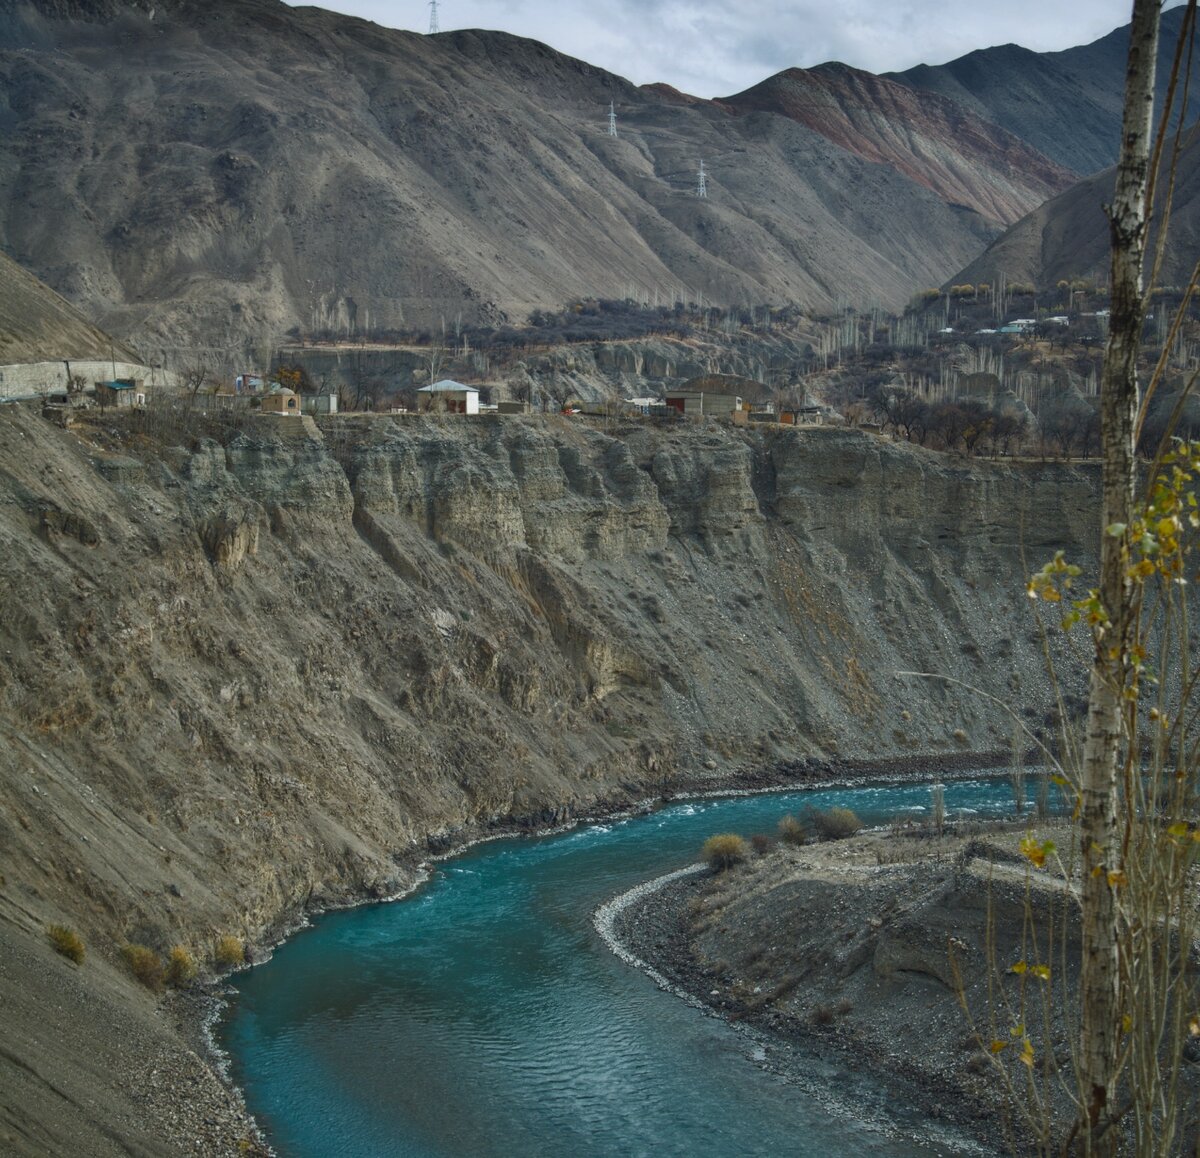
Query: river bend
x,y
483,1015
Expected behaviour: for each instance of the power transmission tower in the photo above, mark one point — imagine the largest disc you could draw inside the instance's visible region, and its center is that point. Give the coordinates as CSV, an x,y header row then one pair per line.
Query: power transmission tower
x,y
433,20
612,119
702,184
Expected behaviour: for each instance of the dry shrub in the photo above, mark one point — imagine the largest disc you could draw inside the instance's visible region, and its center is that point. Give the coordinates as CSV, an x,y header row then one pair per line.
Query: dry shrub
x,y
67,942
792,830
181,967
761,843
836,823
822,1015
230,951
145,964
724,850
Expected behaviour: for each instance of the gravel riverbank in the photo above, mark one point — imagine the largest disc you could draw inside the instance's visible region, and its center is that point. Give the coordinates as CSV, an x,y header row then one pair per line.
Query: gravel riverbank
x,y
841,952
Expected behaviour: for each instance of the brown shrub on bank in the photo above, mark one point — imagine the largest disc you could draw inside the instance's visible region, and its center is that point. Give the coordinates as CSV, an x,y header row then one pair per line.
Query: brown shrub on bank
x,y
792,830
181,967
145,964
229,951
836,823
67,942
725,850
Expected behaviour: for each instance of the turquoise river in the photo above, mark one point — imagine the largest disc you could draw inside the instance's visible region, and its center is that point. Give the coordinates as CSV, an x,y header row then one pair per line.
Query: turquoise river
x,y
483,1015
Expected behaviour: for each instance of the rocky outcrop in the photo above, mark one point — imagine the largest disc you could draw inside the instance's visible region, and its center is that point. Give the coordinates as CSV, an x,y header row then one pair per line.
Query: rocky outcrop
x,y
264,673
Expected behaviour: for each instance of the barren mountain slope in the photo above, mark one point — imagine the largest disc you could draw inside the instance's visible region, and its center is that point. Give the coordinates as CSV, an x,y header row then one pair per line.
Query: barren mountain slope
x,y
936,142
37,325
1065,104
213,174
1069,236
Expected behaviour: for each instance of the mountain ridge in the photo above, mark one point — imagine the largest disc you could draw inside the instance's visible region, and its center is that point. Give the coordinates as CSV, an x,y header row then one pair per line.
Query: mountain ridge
x,y
252,171
1064,104
960,157
195,200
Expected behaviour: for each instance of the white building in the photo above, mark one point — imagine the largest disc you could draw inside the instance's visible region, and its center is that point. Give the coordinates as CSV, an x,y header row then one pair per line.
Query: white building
x,y
450,396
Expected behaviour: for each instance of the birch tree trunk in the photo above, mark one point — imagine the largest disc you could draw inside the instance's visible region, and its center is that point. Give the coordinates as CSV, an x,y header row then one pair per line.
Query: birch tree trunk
x,y
1101,1007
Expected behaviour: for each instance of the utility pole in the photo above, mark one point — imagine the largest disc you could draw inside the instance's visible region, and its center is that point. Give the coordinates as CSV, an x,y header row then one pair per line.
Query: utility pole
x,y
702,184
612,119
433,19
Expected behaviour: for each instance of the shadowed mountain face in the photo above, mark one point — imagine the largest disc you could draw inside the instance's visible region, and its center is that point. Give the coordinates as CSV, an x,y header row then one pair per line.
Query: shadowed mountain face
x,y
1069,236
1066,104
937,143
198,175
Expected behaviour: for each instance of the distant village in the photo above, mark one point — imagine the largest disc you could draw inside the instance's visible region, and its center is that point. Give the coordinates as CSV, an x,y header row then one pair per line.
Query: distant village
x,y
707,398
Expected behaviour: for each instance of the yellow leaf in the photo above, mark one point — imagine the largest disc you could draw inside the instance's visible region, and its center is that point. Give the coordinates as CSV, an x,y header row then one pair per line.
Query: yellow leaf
x,y
1018,968
1033,852
1180,829
1116,879
1041,971
998,1045
1027,1055
1126,1023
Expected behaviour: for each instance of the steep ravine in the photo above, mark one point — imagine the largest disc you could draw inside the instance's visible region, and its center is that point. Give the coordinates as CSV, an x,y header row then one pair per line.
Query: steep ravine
x,y
241,680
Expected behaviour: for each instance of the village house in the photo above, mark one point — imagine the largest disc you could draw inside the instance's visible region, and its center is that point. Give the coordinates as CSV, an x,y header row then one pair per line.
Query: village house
x,y
319,403
122,393
450,396
224,397
700,403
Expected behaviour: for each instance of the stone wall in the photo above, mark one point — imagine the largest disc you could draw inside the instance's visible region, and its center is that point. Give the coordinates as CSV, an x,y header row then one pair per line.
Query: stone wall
x,y
30,379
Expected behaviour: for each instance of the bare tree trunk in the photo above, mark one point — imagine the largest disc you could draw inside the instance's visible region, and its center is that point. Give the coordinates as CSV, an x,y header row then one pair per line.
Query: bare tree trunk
x,y
1101,1012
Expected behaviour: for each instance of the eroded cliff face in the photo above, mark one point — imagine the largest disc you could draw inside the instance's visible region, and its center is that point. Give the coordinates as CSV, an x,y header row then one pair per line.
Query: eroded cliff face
x,y
238,680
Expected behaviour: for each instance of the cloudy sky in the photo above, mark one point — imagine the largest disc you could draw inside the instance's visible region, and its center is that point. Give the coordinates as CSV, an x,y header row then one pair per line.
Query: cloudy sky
x,y
719,47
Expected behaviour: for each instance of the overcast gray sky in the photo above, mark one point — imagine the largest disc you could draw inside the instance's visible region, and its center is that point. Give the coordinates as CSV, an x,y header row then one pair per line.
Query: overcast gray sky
x,y
719,47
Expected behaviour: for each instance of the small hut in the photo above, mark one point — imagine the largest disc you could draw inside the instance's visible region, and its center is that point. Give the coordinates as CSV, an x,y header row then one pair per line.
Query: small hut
x,y
281,400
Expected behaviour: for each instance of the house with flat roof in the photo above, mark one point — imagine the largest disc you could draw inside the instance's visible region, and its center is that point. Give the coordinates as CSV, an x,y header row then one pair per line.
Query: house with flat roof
x,y
700,403
120,393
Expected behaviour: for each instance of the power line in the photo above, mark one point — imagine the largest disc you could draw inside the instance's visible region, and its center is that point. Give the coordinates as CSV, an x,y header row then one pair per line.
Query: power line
x,y
433,19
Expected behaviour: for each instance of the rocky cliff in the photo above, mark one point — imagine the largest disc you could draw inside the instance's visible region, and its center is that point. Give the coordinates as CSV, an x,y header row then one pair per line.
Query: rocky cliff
x,y
245,675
